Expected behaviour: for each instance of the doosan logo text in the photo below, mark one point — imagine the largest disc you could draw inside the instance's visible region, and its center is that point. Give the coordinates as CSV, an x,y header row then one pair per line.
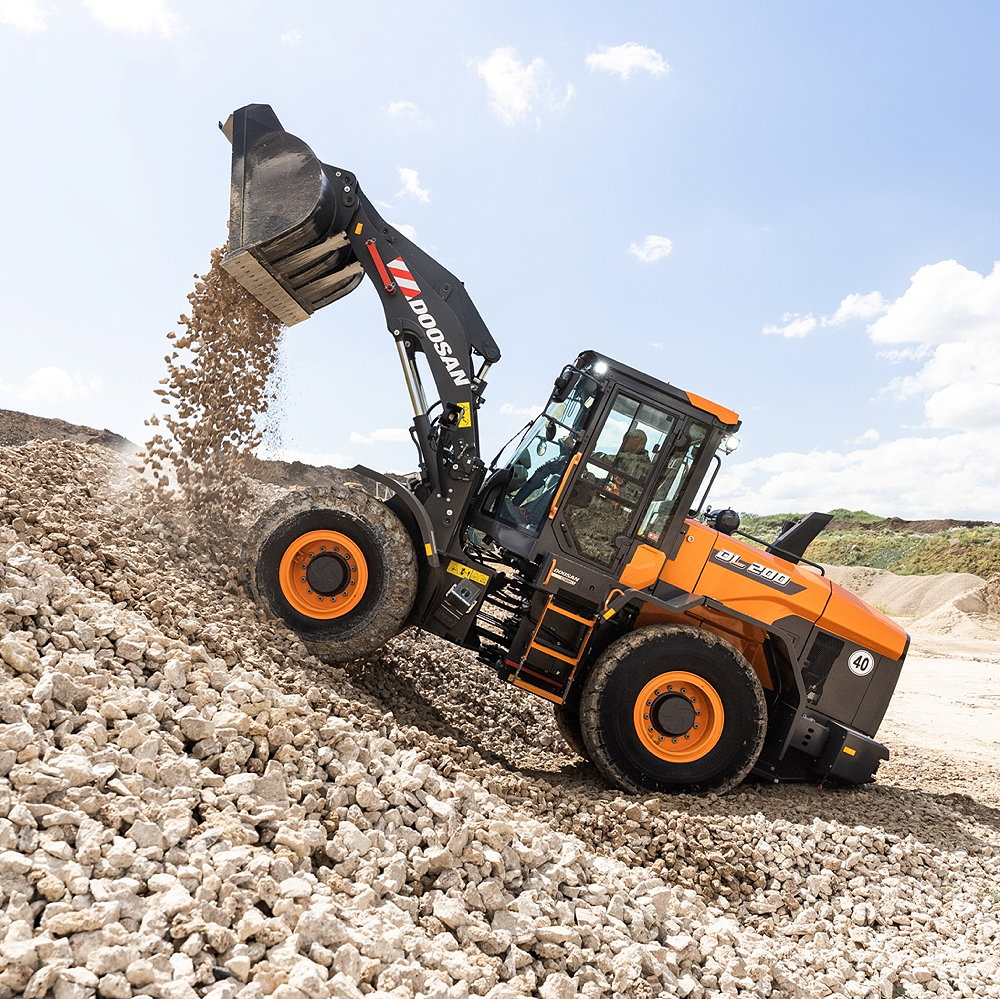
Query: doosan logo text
x,y
409,287
436,337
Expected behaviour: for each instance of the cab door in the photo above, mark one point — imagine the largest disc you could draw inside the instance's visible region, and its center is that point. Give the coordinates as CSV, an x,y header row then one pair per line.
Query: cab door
x,y
634,485
600,514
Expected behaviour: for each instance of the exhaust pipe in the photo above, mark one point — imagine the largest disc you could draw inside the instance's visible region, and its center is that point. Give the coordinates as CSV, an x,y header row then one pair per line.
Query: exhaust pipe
x,y
288,215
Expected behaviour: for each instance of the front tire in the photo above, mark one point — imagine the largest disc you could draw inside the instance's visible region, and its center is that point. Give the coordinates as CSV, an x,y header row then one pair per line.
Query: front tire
x,y
675,710
567,721
337,566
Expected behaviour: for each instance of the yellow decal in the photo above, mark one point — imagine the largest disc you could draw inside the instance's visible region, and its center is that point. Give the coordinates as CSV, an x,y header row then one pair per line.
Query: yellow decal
x,y
609,614
465,417
428,549
850,752
358,228
467,572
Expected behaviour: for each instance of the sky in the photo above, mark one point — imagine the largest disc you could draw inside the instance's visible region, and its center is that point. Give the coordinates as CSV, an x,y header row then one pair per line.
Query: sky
x,y
789,208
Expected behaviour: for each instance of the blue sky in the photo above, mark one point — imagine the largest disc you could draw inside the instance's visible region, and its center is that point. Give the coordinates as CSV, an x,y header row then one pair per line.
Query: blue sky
x,y
787,207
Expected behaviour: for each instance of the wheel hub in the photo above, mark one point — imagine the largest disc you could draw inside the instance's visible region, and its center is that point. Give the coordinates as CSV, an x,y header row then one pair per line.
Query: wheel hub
x,y
678,716
323,574
672,714
327,574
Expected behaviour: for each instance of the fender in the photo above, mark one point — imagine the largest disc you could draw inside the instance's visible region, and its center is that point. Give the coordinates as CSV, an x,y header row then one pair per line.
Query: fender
x,y
410,511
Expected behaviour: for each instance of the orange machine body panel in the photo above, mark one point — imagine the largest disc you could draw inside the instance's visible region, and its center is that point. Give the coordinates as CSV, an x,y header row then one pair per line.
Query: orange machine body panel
x,y
722,413
852,619
746,579
644,567
767,588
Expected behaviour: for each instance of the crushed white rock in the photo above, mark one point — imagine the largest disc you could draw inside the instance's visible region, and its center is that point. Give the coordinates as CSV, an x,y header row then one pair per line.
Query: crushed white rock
x,y
191,806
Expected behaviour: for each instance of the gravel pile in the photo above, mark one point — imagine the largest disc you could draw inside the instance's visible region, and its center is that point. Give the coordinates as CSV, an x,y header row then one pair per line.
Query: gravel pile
x,y
958,604
193,806
190,805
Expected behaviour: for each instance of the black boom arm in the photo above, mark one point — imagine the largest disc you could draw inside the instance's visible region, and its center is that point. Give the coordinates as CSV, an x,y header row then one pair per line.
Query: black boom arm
x,y
302,234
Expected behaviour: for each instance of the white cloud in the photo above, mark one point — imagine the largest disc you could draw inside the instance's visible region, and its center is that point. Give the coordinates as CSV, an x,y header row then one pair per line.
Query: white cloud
x,y
870,436
656,345
383,435
651,248
518,89
912,477
857,307
402,109
408,231
945,301
627,59
852,307
25,15
794,326
949,318
405,115
509,409
292,37
946,325
144,17
51,384
411,185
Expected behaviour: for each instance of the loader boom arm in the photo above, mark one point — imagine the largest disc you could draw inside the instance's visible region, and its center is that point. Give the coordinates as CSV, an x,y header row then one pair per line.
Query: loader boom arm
x,y
429,312
302,233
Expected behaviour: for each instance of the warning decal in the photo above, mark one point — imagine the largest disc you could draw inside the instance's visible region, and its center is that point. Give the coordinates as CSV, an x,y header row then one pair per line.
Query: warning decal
x,y
404,279
467,572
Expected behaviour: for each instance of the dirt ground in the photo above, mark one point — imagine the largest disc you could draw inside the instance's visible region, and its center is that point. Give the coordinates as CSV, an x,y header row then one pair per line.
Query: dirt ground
x,y
947,705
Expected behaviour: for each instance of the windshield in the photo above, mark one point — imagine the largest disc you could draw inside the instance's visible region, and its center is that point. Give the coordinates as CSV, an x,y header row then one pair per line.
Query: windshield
x,y
536,470
574,411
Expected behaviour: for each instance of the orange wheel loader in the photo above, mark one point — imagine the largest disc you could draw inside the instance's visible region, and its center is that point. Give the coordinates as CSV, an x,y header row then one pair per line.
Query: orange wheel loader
x,y
677,656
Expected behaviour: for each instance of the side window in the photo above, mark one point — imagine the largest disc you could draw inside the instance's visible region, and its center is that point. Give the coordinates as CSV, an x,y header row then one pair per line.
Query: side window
x,y
673,475
602,502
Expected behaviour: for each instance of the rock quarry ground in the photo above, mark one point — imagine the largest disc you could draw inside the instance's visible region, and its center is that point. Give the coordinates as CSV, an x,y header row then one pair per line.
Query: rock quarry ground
x,y
192,806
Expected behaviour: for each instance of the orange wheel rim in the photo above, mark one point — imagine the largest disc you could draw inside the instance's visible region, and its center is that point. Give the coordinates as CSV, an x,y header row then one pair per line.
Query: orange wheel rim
x,y
323,574
678,717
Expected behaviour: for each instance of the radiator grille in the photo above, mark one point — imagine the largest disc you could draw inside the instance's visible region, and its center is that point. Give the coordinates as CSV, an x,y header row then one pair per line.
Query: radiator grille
x,y
824,653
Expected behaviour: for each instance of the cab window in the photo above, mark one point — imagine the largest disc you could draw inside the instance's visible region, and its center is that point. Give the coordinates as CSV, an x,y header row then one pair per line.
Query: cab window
x,y
671,479
603,500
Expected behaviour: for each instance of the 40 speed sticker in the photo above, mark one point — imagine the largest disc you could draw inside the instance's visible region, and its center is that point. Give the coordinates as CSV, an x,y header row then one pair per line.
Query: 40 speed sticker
x,y
765,574
861,662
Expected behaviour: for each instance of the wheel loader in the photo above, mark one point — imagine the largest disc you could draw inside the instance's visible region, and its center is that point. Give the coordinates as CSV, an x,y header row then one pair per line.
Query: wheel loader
x,y
679,654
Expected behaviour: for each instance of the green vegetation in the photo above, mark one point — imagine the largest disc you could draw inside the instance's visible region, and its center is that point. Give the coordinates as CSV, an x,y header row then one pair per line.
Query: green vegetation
x,y
856,537
858,516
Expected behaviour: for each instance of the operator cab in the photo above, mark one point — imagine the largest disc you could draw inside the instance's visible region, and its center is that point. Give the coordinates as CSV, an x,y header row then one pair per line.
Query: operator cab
x,y
612,462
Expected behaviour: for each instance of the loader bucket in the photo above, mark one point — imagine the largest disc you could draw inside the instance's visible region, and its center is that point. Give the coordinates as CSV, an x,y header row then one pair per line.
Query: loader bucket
x,y
287,244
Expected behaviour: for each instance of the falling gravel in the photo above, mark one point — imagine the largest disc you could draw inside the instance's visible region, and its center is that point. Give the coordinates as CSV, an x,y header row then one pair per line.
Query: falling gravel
x,y
216,396
193,806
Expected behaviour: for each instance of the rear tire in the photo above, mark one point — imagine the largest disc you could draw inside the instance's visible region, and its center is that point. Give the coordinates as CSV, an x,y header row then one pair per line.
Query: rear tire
x,y
675,710
337,566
